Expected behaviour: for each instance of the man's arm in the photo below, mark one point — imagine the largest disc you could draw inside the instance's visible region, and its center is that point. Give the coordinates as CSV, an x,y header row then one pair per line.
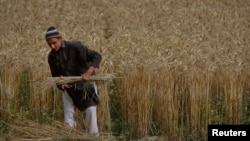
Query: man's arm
x,y
88,55
92,57
87,74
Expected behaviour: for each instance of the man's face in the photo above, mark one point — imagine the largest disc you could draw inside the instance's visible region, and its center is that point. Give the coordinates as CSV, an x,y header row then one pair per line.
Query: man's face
x,y
55,43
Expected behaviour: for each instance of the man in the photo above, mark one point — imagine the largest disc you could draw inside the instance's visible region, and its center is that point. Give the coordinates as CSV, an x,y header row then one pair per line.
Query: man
x,y
72,58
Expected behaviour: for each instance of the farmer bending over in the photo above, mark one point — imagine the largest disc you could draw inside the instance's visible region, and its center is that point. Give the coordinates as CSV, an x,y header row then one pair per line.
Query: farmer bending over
x,y
72,58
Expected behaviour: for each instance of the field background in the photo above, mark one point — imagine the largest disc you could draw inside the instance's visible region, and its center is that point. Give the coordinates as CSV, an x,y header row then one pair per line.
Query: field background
x,y
184,64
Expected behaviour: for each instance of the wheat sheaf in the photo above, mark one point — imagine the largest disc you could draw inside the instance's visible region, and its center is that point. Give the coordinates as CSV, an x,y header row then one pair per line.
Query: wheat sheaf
x,y
51,81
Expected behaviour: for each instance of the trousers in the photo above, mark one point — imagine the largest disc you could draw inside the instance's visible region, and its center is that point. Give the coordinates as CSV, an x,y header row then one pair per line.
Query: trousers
x,y
69,113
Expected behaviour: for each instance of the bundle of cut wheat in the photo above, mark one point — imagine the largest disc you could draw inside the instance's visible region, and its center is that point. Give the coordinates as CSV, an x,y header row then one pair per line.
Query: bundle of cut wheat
x,y
27,130
50,81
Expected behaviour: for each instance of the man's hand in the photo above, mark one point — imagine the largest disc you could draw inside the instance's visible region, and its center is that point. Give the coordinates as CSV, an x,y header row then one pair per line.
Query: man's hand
x,y
86,77
87,74
66,86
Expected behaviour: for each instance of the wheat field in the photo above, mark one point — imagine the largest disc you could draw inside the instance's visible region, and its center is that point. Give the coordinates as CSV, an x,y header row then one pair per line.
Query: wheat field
x,y
181,64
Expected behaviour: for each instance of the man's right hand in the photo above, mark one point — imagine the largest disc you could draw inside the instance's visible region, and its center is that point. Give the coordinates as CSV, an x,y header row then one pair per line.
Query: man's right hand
x,y
66,85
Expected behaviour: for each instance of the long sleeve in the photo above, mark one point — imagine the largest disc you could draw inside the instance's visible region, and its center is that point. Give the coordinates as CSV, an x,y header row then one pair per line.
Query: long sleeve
x,y
54,64
92,57
53,68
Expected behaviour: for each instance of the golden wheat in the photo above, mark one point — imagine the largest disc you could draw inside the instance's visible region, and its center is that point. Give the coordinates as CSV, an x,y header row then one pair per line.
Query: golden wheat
x,y
185,63
51,81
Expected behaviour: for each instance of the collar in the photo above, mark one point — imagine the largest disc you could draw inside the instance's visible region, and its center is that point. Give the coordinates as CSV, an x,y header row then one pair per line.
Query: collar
x,y
63,44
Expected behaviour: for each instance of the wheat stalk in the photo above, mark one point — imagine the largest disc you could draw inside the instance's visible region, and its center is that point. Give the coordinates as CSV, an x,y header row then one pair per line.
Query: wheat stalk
x,y
50,81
